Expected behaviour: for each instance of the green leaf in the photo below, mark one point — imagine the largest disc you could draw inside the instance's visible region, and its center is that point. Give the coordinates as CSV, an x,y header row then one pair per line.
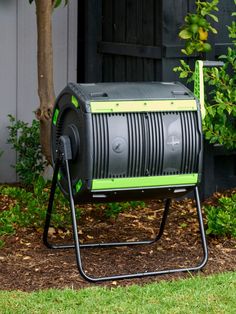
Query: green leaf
x,y
185,34
214,31
186,19
214,17
204,11
211,111
177,69
183,74
184,51
57,3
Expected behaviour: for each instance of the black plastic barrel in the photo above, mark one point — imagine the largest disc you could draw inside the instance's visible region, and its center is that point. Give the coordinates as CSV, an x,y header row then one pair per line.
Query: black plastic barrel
x,y
129,140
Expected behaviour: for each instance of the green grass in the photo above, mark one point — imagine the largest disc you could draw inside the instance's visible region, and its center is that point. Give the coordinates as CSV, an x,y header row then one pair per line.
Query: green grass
x,y
214,294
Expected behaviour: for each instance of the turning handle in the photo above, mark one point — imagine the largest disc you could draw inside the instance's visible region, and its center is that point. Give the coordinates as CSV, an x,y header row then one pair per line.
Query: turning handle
x,y
208,63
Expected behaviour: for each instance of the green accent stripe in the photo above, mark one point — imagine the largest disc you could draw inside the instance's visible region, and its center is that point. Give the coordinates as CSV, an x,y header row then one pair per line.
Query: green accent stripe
x,y
74,101
59,176
78,186
143,106
199,85
55,116
125,183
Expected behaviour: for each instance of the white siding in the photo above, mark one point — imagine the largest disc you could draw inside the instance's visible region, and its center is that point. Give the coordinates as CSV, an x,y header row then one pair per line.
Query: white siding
x,y
18,65
8,82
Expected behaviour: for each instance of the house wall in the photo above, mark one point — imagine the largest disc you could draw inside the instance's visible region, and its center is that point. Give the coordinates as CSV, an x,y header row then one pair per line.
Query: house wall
x,y
18,65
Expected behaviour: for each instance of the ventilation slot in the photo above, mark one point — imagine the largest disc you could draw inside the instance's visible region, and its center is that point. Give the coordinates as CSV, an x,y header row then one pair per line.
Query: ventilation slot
x,y
191,140
153,144
135,140
100,146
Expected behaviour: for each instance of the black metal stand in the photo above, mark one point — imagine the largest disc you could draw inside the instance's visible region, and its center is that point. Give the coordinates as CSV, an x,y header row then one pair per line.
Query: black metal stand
x,y
63,158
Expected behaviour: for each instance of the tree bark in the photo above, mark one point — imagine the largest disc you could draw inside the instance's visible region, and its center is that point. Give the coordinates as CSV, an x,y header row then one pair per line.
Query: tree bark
x,y
46,92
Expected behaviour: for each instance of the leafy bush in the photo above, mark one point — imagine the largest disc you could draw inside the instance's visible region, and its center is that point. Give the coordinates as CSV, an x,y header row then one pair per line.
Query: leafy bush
x,y
221,219
220,122
196,28
25,139
219,125
29,208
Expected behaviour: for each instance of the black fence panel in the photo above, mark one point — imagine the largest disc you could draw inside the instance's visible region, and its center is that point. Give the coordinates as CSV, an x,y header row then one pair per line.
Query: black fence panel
x,y
137,40
131,40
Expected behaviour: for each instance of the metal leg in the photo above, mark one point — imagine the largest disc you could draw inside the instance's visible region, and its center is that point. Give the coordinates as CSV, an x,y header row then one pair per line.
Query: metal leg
x,y
50,206
163,221
78,246
202,231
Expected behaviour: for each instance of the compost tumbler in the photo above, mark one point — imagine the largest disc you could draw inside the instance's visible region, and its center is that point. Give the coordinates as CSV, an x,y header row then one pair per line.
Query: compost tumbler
x,y
121,141
129,140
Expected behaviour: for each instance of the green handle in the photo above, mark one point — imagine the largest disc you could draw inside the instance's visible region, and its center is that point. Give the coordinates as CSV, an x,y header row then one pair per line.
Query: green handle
x,y
199,80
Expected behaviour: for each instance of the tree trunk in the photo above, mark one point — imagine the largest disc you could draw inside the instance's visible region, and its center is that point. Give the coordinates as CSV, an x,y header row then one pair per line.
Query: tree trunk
x,y
46,92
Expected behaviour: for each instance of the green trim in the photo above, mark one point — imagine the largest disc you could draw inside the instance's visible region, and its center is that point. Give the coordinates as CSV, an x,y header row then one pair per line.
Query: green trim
x,y
78,186
139,182
55,116
143,106
199,85
74,101
59,176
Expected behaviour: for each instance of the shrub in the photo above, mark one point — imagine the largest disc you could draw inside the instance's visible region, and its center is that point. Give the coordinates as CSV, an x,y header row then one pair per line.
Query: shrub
x,y
29,208
221,219
197,26
25,139
219,125
220,122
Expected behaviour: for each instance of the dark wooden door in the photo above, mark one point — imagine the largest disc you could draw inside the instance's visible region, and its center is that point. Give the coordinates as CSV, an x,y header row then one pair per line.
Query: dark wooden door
x,y
137,40
131,40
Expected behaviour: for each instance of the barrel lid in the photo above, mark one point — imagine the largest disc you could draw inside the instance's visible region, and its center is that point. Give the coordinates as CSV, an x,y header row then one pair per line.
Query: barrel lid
x,y
134,91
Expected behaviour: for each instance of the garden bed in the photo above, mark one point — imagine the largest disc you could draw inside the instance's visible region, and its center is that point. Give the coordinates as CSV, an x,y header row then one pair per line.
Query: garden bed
x,y
26,264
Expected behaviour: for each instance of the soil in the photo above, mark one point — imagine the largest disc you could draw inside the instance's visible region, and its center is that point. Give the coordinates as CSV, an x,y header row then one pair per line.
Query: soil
x,y
27,265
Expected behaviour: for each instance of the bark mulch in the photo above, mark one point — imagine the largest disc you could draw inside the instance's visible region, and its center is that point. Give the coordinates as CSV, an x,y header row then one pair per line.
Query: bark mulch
x,y
27,265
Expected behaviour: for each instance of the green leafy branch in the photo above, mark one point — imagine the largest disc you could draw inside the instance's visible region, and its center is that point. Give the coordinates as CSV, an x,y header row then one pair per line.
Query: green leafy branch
x,y
185,72
196,28
25,140
232,28
219,124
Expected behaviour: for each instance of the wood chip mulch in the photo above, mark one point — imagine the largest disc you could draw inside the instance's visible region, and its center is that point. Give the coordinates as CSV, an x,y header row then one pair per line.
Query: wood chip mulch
x,y
27,265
